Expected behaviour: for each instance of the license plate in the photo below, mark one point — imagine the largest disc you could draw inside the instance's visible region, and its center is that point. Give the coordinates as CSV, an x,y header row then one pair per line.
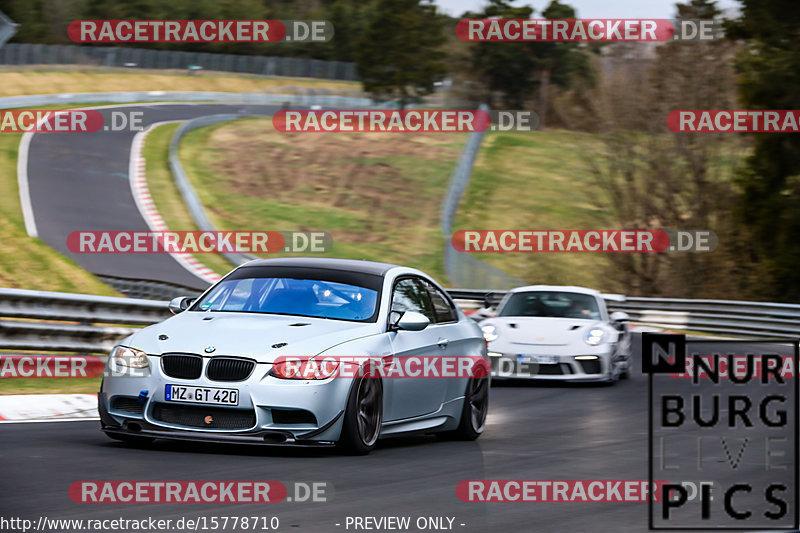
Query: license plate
x,y
538,359
181,393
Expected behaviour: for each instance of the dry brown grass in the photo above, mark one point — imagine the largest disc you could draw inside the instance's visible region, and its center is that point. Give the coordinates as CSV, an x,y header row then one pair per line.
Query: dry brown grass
x,y
17,81
378,194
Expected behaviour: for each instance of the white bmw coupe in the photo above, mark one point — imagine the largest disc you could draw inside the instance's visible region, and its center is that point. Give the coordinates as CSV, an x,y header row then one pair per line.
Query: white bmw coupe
x,y
223,368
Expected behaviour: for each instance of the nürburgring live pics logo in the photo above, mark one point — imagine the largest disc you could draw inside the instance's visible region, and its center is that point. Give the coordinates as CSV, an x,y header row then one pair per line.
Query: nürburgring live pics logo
x,y
722,432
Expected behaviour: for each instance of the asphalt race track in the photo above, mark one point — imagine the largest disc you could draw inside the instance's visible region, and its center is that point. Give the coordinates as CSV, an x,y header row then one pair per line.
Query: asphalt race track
x,y
535,432
532,433
79,182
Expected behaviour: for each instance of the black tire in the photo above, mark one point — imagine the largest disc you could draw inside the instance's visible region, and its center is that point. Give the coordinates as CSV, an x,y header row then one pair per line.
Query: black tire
x,y
132,439
623,373
362,417
474,410
611,377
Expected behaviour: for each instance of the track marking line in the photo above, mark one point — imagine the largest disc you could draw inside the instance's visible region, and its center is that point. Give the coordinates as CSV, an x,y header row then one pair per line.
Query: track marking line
x,y
22,182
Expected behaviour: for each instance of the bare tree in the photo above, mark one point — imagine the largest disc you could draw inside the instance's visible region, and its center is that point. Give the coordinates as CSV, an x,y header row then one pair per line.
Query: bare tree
x,y
657,179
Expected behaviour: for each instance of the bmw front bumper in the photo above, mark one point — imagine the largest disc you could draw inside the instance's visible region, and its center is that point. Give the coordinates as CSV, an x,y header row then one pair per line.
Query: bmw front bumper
x,y
269,411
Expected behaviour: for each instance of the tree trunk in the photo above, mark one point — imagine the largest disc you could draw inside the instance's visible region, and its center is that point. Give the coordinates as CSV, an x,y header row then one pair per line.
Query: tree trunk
x,y
544,86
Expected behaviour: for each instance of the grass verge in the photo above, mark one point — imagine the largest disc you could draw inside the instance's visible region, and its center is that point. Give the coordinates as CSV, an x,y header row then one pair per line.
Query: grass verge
x,y
52,80
49,386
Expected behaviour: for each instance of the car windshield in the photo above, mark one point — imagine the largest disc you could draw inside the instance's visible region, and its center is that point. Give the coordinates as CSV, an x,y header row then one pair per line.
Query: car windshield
x,y
551,304
303,295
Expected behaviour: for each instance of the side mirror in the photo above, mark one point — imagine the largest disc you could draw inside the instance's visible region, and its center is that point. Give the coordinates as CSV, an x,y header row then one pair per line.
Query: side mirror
x,y
620,320
412,321
620,316
180,304
487,301
486,312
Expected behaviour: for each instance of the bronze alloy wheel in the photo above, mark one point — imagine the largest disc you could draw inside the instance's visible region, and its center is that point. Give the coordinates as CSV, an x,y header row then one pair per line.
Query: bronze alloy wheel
x,y
478,398
369,411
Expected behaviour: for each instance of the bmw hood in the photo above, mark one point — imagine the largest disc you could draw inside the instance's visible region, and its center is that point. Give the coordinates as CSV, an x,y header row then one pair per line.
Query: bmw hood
x,y
541,331
261,337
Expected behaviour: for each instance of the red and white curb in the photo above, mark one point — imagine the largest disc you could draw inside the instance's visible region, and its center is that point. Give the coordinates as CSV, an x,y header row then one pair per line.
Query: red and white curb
x,y
146,206
48,408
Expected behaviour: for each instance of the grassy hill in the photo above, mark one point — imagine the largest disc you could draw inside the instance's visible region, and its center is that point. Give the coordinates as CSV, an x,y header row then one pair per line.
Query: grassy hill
x,y
537,181
379,195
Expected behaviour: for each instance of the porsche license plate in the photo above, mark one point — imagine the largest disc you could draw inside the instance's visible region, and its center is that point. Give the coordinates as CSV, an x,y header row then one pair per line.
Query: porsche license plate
x,y
181,393
538,359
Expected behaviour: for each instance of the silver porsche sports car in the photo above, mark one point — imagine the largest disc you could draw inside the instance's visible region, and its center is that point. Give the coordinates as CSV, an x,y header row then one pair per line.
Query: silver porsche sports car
x,y
225,368
557,333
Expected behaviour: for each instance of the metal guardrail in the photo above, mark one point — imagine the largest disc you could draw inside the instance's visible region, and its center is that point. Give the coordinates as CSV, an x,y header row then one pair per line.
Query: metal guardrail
x,y
37,321
148,289
726,317
73,323
462,268
111,56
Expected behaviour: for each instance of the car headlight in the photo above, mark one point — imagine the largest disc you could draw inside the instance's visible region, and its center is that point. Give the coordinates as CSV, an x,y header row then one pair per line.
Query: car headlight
x,y
595,336
124,356
304,369
490,333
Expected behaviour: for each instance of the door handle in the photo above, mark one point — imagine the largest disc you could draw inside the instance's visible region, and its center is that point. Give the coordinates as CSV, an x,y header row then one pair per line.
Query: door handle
x,y
442,343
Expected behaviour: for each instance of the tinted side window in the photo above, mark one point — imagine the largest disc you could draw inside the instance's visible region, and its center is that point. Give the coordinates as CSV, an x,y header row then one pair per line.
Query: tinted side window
x,y
410,295
441,306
